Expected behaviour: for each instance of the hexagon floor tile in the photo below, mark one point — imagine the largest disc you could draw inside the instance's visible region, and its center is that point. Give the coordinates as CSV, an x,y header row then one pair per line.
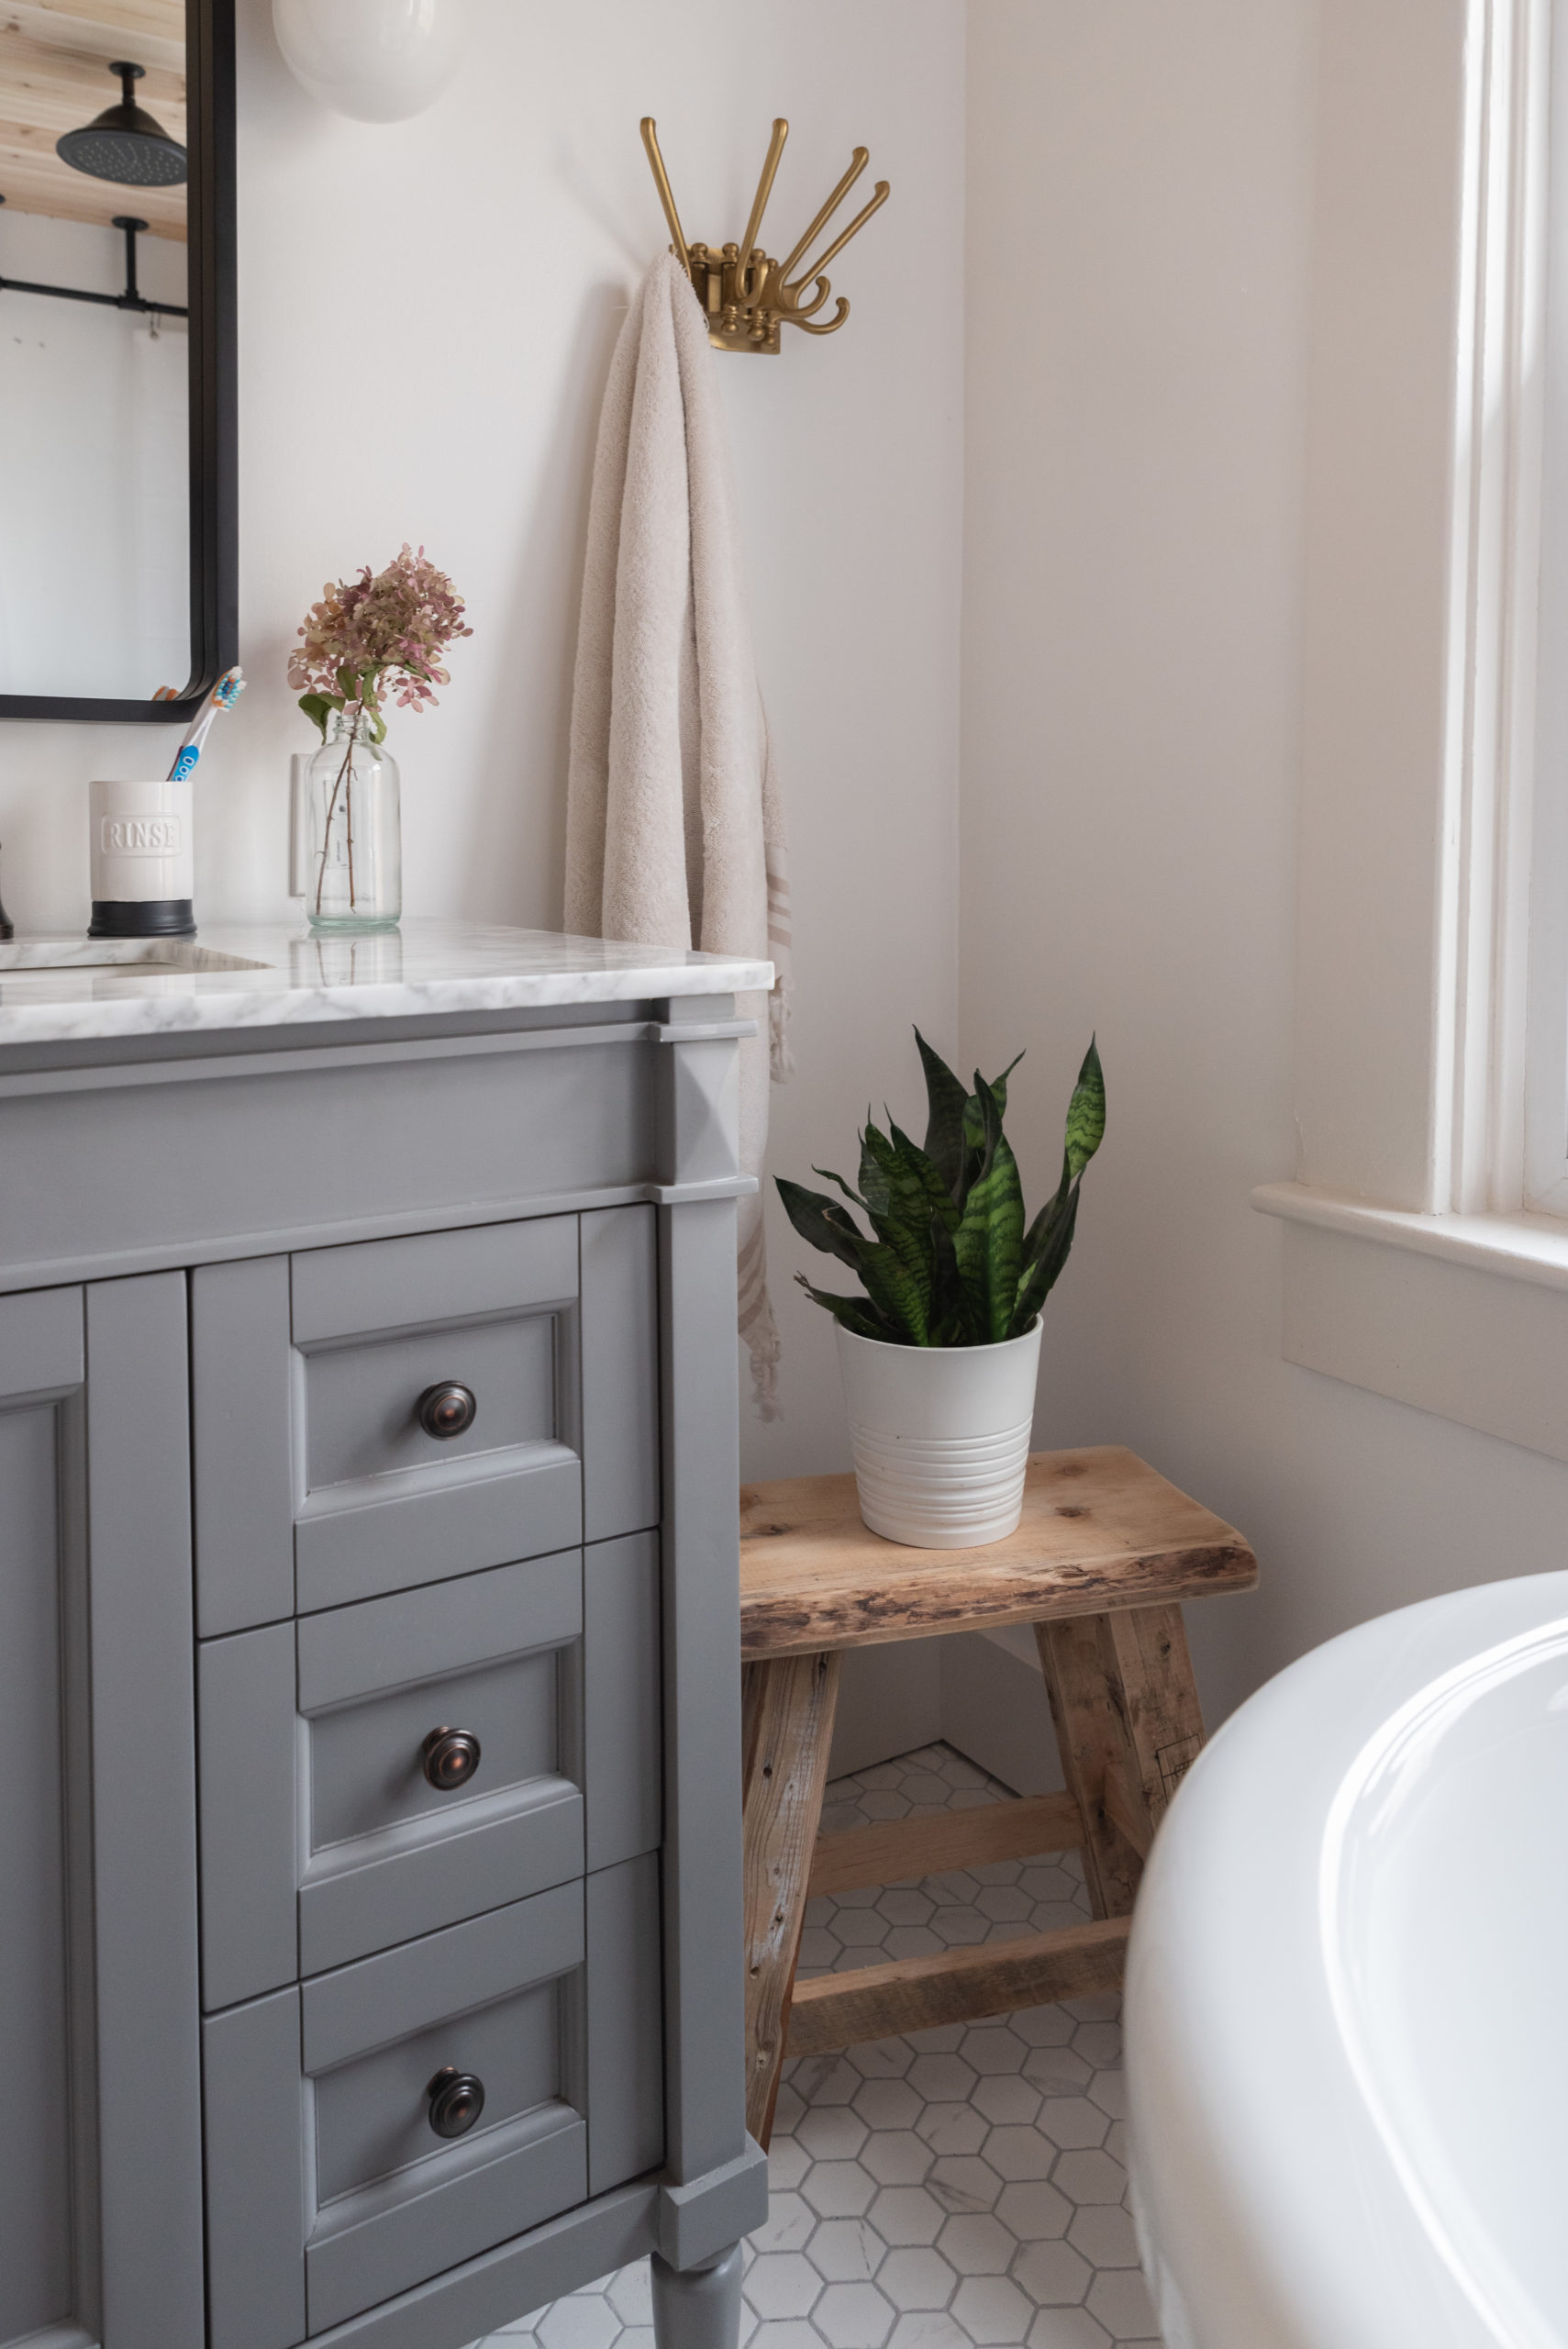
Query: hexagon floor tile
x,y
959,2189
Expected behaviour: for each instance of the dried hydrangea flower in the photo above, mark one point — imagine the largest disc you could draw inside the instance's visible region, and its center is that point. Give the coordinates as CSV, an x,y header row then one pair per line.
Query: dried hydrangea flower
x,y
377,635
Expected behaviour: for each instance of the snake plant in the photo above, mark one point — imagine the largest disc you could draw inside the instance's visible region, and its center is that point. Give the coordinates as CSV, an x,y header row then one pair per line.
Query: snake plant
x,y
950,1261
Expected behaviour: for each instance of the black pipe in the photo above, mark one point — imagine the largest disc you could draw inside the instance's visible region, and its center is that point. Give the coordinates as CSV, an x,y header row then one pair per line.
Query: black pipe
x,y
131,299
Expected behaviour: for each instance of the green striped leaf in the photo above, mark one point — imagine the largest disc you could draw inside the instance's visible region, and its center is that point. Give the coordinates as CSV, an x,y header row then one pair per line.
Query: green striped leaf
x,y
1039,1276
946,1101
856,1313
989,1242
853,1197
973,1117
824,1223
896,1290
1087,1112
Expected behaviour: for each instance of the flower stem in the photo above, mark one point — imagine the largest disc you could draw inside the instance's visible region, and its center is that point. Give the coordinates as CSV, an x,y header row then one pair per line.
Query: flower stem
x,y
339,783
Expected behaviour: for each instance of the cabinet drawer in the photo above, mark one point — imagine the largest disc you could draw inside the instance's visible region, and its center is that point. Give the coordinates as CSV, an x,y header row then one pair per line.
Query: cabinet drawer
x,y
498,2000
329,2188
393,1489
320,1478
327,1830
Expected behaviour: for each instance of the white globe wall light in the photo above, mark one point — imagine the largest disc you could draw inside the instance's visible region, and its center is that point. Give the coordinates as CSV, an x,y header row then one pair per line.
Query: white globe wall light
x,y
379,60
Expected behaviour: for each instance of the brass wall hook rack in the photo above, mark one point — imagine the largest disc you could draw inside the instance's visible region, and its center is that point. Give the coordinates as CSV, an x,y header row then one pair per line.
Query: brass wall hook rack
x,y
747,295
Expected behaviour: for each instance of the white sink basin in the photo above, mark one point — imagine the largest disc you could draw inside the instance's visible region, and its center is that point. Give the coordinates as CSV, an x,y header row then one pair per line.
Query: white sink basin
x,y
23,957
1346,2012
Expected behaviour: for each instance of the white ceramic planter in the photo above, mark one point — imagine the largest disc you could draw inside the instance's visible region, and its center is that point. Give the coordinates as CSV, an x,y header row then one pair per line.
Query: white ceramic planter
x,y
941,1436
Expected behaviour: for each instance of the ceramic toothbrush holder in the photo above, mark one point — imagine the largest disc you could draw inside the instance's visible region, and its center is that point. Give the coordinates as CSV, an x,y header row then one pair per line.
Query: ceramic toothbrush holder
x,y
143,861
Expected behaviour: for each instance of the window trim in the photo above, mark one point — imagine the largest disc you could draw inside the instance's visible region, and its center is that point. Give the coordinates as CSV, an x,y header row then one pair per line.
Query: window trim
x,y
1425,431
1544,1077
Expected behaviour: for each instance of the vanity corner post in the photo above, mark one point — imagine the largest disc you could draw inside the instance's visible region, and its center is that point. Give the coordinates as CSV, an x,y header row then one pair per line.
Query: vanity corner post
x,y
698,2307
697,1114
714,2181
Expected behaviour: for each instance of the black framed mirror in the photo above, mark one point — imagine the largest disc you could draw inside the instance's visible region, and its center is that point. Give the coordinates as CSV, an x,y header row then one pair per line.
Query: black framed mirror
x,y
118,555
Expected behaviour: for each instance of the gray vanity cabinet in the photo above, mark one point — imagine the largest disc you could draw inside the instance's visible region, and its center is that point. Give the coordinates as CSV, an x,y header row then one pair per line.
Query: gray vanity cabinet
x,y
368,1691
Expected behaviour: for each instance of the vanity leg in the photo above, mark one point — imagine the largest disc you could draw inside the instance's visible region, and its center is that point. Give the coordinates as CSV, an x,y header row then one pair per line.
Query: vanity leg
x,y
698,2307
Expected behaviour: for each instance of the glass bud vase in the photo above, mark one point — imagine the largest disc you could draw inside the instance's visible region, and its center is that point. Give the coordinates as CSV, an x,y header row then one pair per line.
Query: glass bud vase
x,y
354,868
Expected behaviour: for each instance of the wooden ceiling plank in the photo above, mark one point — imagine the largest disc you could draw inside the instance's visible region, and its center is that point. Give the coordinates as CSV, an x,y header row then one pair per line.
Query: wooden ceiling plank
x,y
153,31
163,19
27,64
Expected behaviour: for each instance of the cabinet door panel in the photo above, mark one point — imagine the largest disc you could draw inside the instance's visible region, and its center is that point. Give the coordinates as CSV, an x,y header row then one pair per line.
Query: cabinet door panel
x,y
100,2122
38,2258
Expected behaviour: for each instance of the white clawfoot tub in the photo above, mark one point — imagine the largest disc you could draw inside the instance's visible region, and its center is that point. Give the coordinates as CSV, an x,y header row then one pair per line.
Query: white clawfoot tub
x,y
1347,1997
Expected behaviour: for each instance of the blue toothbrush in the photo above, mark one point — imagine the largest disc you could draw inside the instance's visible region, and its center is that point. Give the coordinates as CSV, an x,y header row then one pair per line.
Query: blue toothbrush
x,y
224,696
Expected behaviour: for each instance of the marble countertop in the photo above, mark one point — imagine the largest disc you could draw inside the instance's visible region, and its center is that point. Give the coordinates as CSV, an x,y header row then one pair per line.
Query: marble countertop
x,y
64,989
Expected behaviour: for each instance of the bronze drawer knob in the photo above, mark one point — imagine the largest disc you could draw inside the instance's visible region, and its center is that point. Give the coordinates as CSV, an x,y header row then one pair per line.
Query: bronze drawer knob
x,y
446,1409
457,2099
451,1757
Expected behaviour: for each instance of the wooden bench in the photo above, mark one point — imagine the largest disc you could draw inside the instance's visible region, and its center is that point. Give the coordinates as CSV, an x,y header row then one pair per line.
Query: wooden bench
x,y
1104,1554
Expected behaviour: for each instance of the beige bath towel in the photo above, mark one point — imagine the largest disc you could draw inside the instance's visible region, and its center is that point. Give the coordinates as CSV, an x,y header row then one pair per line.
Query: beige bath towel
x,y
674,831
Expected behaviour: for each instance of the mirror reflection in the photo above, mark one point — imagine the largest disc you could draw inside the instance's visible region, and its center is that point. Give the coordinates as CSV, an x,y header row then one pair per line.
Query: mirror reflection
x,y
94,553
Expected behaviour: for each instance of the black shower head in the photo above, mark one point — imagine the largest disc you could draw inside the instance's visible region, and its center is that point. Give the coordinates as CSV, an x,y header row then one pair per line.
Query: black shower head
x,y
123,143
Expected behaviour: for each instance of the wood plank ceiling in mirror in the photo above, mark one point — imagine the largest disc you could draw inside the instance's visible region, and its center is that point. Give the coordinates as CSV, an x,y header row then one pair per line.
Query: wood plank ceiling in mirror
x,y
54,76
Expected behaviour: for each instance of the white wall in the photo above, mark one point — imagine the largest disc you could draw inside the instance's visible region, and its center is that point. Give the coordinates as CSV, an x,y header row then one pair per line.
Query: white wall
x,y
1132,628
426,315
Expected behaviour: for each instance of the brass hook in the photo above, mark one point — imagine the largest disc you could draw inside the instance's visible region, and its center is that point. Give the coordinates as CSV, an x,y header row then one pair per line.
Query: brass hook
x,y
858,162
745,296
764,188
856,225
666,194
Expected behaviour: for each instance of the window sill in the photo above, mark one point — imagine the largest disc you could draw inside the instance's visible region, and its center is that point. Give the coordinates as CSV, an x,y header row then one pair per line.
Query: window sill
x,y
1463,1315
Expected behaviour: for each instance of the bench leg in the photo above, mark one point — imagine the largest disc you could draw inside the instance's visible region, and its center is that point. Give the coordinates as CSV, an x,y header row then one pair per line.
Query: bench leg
x,y
787,1707
1128,1726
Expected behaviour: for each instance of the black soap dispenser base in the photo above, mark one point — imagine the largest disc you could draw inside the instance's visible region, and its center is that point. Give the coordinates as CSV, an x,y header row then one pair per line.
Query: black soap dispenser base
x,y
143,917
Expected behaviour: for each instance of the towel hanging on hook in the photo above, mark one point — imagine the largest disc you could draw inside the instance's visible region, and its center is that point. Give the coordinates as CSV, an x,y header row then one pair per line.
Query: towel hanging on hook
x,y
745,295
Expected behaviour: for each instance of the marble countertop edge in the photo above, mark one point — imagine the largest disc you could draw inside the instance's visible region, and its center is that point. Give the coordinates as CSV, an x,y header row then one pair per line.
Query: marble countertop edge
x,y
236,977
